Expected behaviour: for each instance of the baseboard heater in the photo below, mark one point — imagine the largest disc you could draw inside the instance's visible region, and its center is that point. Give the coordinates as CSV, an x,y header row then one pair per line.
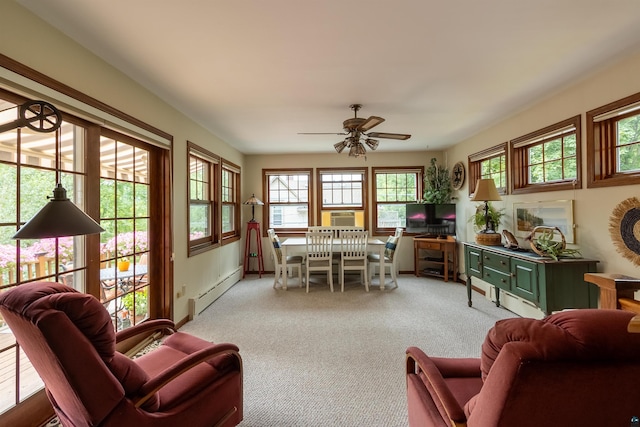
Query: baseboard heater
x,y
204,300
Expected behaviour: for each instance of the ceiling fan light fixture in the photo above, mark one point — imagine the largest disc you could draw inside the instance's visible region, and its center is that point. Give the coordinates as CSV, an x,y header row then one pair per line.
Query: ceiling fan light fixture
x,y
340,146
357,150
370,123
372,143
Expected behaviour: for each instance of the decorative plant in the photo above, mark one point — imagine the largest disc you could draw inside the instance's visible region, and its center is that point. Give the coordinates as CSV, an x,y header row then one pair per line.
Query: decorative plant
x,y
437,184
545,245
494,215
137,307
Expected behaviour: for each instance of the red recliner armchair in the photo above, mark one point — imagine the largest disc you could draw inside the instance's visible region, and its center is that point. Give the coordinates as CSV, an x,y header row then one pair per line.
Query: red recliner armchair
x,y
573,368
68,336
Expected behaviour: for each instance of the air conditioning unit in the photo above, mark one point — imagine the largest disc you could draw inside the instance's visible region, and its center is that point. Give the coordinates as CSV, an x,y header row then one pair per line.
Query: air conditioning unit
x,y
343,219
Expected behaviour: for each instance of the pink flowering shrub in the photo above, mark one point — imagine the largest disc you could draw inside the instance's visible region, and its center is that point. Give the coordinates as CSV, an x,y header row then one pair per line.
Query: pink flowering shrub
x,y
125,244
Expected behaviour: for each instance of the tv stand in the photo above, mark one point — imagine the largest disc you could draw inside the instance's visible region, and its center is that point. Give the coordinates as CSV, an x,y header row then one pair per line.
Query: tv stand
x,y
428,266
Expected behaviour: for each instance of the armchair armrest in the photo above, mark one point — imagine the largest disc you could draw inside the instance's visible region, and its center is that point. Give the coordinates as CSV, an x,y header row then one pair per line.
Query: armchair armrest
x,y
174,371
434,372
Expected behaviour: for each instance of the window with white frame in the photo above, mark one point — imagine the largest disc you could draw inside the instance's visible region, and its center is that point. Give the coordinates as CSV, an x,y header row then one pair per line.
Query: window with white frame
x,y
393,188
288,200
342,196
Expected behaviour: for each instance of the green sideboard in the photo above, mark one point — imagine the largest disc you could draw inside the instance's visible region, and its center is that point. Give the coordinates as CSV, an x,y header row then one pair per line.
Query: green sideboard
x,y
550,285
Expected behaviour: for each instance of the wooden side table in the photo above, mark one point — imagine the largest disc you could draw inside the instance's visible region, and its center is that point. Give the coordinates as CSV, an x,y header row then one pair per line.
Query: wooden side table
x,y
613,286
449,254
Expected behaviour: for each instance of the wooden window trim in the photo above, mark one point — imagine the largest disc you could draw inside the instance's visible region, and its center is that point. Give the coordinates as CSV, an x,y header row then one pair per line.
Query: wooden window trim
x,y
234,235
374,190
601,157
475,160
199,246
265,208
519,161
365,204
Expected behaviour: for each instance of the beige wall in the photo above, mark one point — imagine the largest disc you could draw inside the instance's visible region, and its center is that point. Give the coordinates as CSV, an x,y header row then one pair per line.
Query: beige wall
x,y
28,40
255,163
592,207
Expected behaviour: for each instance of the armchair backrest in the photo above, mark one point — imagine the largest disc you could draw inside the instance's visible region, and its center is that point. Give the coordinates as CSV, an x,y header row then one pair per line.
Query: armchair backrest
x,y
569,368
69,338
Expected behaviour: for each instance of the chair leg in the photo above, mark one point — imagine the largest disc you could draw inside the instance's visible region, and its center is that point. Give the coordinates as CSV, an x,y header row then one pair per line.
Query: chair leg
x,y
307,279
276,276
330,278
366,279
393,275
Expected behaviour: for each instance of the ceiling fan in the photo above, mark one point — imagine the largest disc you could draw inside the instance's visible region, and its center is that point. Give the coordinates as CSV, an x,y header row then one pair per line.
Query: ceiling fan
x,y
357,129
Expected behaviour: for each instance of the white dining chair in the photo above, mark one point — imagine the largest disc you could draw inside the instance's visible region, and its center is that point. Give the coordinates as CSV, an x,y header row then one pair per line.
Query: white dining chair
x,y
282,267
390,260
319,254
353,256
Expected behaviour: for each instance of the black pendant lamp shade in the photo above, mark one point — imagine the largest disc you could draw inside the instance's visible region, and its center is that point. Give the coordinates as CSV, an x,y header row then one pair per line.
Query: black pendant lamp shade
x,y
58,218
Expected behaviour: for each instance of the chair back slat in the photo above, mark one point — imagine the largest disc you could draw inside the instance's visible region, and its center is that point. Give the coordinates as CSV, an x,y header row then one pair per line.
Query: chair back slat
x,y
319,245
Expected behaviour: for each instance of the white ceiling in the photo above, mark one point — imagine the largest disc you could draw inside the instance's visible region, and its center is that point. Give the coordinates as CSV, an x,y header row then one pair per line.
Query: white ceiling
x,y
257,72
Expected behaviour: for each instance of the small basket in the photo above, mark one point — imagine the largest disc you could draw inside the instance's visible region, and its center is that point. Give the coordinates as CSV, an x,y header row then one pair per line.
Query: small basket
x,y
544,229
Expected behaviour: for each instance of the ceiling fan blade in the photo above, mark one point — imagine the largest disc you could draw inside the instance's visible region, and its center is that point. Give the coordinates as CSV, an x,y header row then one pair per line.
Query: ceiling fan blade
x,y
402,136
370,123
322,133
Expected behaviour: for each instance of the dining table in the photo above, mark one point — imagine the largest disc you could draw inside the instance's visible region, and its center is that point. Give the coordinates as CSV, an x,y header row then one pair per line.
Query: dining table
x,y
298,245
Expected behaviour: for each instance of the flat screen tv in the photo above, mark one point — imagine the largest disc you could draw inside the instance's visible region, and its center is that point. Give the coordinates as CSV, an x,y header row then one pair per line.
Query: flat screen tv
x,y
431,220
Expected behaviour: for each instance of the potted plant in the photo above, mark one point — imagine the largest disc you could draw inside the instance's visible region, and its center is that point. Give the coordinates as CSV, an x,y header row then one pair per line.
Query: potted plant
x,y
137,306
437,184
487,233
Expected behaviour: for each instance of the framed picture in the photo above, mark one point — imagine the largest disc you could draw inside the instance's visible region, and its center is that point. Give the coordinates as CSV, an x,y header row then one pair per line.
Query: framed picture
x,y
554,213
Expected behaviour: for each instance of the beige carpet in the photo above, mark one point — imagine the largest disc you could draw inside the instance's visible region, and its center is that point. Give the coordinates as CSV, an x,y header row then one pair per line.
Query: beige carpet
x,y
337,359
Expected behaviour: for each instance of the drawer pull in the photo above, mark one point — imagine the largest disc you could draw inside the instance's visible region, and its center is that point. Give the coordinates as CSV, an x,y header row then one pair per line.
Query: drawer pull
x,y
503,263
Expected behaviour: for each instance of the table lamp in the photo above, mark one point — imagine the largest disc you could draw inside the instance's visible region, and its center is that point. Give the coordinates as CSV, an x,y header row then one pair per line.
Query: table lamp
x,y
486,192
253,201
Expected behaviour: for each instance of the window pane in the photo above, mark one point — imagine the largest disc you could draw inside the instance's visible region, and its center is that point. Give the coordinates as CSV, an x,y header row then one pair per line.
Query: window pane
x,y
391,216
199,221
288,216
227,218
553,170
553,150
629,158
536,174
629,130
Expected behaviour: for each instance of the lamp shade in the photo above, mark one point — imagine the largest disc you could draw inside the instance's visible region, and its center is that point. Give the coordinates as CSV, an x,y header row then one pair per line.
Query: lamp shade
x,y
58,218
253,200
486,191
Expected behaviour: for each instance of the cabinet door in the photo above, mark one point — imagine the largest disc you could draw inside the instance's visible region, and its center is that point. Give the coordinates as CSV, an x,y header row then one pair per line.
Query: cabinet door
x,y
524,282
473,261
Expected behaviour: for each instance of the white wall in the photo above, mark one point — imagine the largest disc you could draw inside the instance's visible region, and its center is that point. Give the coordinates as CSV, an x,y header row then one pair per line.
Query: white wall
x,y
592,207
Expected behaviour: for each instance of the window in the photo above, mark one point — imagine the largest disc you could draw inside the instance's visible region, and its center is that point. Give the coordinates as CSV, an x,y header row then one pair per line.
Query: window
x,y
342,197
288,201
107,175
393,188
613,143
489,163
548,159
203,171
230,200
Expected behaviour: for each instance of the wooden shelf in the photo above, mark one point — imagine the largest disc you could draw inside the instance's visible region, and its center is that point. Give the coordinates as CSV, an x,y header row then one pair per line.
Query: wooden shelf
x,y
447,265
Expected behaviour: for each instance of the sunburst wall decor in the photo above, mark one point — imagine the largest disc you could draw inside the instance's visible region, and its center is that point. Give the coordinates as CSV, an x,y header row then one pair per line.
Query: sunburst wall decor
x,y
624,227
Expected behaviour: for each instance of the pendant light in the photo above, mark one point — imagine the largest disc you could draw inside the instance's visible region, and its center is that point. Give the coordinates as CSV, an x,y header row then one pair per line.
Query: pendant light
x,y
60,217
